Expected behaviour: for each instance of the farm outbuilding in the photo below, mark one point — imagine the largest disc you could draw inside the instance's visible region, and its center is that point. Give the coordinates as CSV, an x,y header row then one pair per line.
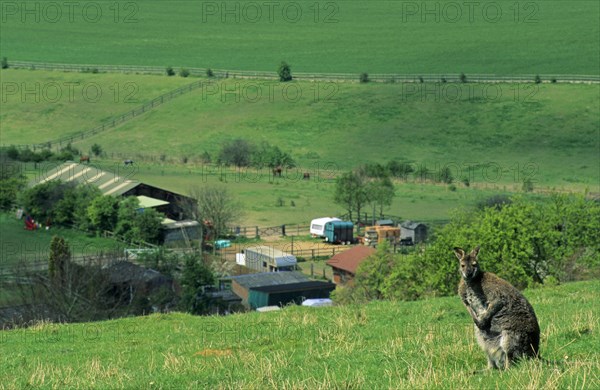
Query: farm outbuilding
x,y
266,259
281,295
415,231
128,281
345,264
171,204
175,207
278,288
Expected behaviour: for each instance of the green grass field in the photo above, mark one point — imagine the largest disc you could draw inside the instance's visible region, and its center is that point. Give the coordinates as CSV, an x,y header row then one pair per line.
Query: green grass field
x,y
314,198
20,244
506,37
500,133
427,344
42,106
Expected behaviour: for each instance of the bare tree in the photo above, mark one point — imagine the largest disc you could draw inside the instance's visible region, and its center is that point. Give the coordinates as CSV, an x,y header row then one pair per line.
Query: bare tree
x,y
216,207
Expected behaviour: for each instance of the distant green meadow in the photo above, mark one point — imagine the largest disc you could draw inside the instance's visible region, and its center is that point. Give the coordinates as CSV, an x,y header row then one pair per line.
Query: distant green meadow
x,y
418,345
446,37
495,134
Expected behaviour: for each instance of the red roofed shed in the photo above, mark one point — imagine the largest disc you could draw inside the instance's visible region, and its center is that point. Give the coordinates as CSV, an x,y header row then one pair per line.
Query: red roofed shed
x,y
345,264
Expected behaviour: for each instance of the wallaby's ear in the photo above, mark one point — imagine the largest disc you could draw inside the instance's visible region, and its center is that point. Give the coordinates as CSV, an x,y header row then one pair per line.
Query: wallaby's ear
x,y
459,253
475,251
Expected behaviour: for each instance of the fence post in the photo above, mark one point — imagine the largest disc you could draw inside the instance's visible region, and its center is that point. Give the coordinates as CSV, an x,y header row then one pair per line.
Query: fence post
x,y
283,230
313,253
256,235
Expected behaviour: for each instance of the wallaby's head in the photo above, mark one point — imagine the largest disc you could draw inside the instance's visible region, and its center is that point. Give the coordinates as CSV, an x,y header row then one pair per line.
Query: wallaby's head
x,y
469,266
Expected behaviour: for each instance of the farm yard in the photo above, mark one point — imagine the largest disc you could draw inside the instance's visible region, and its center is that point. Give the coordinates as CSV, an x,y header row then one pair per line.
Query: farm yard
x,y
187,158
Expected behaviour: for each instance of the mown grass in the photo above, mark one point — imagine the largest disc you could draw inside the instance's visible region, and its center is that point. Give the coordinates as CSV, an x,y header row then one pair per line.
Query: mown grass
x,y
343,36
39,106
19,244
426,344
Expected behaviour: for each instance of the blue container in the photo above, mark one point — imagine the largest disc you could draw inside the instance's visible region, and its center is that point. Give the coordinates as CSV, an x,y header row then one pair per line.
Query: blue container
x,y
339,232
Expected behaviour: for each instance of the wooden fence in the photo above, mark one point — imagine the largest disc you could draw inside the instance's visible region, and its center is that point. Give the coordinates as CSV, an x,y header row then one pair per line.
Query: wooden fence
x,y
115,121
353,77
220,73
270,231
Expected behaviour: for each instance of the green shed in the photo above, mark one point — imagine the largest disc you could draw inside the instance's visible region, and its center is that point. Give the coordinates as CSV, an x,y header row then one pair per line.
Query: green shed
x,y
281,295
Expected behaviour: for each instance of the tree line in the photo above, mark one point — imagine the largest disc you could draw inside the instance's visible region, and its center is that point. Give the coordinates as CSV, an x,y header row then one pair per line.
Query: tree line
x,y
527,242
85,208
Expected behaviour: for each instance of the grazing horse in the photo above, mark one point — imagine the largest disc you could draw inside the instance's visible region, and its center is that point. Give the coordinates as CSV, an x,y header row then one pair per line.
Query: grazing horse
x,y
85,159
128,162
277,171
306,176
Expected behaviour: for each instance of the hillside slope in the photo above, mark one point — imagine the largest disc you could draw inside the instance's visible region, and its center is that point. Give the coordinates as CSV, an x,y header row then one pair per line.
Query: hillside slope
x,y
426,344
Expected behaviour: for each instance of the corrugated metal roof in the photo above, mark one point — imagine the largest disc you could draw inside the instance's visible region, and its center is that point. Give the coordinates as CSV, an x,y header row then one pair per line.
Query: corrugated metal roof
x,y
148,202
300,286
410,225
269,251
269,279
109,183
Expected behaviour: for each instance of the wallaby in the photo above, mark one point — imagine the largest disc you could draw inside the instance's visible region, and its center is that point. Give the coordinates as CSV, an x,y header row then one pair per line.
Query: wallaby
x,y
506,327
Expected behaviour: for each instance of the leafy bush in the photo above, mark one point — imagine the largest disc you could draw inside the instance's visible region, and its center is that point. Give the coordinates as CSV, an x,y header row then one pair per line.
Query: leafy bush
x,y
4,63
524,242
463,78
209,73
170,71
398,169
445,175
527,185
184,72
538,79
364,77
284,71
96,150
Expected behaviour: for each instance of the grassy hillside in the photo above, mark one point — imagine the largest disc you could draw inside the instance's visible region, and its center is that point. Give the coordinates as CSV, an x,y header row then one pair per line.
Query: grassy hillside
x,y
505,37
427,344
41,106
549,133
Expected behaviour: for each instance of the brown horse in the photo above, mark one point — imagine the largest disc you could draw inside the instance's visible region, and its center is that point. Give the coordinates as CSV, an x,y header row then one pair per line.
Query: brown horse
x,y
84,159
306,176
277,171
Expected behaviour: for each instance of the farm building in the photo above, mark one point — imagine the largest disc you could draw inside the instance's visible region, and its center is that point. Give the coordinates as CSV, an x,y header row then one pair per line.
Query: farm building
x,y
170,204
384,222
345,264
415,231
266,259
278,289
128,281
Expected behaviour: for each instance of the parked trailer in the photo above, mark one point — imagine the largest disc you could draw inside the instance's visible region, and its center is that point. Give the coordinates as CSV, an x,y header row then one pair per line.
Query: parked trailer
x,y
339,232
317,226
266,259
